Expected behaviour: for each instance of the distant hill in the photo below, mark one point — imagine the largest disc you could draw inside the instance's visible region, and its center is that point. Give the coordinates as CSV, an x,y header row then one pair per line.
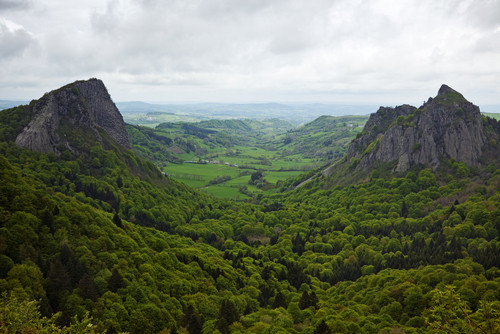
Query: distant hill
x,y
297,114
5,104
168,142
327,137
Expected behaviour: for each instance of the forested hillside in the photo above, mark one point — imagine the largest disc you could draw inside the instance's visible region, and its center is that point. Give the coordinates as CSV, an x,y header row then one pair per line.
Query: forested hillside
x,y
326,137
103,241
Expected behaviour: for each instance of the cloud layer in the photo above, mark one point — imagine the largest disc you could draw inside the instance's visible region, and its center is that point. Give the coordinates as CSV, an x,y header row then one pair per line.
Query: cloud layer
x,y
222,50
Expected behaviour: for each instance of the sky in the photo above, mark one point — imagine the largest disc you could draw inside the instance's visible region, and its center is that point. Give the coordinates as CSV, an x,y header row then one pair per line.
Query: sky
x,y
385,52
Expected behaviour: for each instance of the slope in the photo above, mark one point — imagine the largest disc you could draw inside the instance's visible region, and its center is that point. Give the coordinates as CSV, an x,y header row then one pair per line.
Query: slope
x,y
407,253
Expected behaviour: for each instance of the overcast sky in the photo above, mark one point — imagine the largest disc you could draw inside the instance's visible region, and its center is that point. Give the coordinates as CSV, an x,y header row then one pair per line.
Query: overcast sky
x,y
386,52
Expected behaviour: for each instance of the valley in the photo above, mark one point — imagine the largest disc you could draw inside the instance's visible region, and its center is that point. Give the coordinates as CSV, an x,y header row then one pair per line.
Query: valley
x,y
220,156
397,231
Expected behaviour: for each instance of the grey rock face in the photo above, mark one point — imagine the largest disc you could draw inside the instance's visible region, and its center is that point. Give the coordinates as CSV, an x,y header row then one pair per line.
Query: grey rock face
x,y
376,126
447,126
102,109
83,104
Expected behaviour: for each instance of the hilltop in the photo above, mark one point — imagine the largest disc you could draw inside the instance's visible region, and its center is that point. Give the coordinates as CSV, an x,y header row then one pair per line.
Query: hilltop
x,y
72,118
405,137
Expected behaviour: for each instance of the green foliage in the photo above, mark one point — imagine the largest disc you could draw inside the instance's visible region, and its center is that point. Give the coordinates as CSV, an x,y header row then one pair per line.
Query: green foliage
x,y
219,179
451,314
354,163
13,120
450,98
106,235
23,316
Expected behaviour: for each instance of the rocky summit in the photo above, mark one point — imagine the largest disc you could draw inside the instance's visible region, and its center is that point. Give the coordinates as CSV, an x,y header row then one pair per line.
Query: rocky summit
x,y
447,126
83,105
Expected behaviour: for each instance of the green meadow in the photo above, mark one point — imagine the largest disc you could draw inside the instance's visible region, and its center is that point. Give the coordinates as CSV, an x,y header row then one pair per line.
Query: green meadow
x,y
219,156
199,176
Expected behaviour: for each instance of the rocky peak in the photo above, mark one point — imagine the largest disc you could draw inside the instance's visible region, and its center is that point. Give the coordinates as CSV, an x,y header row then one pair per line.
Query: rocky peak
x,y
444,89
64,118
447,126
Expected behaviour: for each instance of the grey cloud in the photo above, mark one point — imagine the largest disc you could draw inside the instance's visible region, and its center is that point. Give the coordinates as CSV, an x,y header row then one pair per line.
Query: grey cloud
x,y
13,42
264,47
488,42
482,14
15,4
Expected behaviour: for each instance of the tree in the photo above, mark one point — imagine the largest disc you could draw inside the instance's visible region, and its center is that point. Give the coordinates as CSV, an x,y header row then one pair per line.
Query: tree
x,y
450,314
193,321
313,299
115,281
308,300
256,176
87,288
59,281
6,264
23,316
304,300
228,311
404,210
279,301
29,278
322,328
117,220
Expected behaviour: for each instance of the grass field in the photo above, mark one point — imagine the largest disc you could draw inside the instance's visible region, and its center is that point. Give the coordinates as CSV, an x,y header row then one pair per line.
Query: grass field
x,y
199,175
248,159
153,119
225,192
493,115
259,158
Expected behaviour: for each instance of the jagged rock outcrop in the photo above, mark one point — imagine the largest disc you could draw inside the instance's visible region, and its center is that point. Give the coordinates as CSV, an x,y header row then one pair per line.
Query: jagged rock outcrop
x,y
85,106
447,126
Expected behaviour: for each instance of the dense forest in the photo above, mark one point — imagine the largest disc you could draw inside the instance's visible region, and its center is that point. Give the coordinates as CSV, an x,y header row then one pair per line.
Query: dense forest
x,y
104,241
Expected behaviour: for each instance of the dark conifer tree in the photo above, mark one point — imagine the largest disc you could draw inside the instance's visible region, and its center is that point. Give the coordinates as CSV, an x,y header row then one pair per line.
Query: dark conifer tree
x,y
119,182
193,321
313,299
58,281
322,328
227,315
298,244
266,273
223,326
304,300
404,210
87,288
117,220
115,282
279,301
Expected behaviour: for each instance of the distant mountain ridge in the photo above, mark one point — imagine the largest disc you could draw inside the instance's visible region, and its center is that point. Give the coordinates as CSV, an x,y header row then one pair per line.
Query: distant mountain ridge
x,y
294,113
447,126
83,106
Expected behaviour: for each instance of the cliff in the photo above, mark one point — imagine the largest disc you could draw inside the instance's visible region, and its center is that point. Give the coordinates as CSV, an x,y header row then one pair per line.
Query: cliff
x,y
447,126
70,116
